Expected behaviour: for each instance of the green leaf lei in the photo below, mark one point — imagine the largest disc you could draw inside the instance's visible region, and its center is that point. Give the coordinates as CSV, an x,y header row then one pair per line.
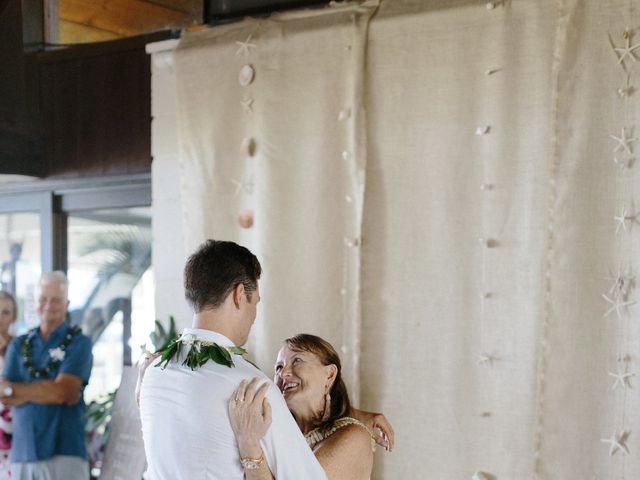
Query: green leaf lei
x,y
200,352
53,363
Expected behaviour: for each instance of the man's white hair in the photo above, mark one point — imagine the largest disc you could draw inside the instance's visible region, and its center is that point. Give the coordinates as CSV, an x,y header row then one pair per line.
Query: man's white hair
x,y
57,276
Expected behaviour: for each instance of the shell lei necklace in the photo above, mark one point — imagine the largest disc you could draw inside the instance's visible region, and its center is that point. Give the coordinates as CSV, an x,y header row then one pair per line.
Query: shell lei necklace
x,y
56,355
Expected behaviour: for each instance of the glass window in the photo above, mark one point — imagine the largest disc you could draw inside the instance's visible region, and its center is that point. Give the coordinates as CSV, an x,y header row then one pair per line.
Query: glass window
x,y
20,263
111,291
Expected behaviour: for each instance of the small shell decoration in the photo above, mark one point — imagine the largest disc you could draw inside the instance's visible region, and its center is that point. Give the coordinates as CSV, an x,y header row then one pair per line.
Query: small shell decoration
x,y
246,75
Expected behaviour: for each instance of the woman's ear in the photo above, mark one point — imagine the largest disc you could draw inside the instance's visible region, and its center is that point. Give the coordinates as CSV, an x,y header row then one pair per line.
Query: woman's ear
x,y
332,373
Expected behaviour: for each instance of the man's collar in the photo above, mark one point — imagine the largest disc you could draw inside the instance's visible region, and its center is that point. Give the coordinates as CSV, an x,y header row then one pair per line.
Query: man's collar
x,y
58,332
209,336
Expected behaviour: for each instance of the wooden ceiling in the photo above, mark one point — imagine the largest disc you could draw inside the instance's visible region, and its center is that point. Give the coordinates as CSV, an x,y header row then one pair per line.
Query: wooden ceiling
x,y
85,21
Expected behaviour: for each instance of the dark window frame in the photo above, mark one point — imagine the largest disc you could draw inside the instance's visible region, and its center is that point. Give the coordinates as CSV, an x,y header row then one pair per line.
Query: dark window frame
x,y
55,200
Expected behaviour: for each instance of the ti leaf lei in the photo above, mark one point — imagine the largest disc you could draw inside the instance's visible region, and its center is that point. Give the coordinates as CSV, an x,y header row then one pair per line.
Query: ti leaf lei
x,y
200,352
53,363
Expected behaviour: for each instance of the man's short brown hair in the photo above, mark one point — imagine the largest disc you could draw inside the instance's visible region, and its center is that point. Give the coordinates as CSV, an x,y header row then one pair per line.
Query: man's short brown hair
x,y
215,269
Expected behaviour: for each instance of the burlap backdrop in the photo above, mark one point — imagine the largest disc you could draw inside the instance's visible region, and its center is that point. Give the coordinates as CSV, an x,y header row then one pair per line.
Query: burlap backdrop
x,y
433,190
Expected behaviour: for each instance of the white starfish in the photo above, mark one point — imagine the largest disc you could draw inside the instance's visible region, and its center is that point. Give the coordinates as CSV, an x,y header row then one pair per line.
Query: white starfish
x,y
244,47
245,185
617,442
627,50
623,142
622,219
622,283
247,105
621,379
617,305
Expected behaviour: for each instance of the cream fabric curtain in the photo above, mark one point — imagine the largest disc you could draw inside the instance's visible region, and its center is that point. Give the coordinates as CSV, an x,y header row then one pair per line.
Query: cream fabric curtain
x,y
591,255
302,117
433,190
436,75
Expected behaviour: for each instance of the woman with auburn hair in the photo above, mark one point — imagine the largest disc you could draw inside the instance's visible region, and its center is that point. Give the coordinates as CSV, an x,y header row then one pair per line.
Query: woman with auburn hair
x,y
308,372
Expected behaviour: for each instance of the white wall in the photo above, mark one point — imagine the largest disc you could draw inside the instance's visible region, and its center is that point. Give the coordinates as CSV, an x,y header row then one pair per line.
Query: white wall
x,y
168,244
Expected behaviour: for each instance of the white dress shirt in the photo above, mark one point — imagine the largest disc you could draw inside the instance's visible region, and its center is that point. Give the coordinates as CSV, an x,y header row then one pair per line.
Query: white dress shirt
x,y
186,429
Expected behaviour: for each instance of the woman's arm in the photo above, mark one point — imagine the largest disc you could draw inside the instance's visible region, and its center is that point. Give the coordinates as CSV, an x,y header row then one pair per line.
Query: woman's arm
x,y
347,454
147,360
250,415
385,436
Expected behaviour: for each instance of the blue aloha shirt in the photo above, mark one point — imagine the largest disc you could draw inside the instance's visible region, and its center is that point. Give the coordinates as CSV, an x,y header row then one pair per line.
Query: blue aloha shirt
x,y
43,431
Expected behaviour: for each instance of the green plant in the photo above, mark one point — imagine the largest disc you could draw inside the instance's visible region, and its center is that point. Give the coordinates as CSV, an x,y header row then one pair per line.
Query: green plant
x,y
98,416
161,338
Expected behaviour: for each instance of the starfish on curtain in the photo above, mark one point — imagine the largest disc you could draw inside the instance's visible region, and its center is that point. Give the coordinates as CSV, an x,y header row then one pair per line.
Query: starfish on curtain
x,y
617,442
622,379
623,218
627,50
623,142
244,47
244,185
247,105
617,305
622,283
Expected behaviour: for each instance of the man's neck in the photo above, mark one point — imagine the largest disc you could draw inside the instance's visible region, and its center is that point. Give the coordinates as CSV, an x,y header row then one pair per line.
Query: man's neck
x,y
47,328
213,321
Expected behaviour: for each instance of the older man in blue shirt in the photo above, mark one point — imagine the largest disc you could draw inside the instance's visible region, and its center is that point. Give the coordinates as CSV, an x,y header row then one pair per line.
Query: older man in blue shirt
x,y
45,373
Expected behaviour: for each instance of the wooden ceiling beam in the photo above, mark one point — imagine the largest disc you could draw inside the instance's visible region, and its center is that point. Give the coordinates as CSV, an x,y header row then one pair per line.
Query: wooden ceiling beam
x,y
192,7
71,32
123,17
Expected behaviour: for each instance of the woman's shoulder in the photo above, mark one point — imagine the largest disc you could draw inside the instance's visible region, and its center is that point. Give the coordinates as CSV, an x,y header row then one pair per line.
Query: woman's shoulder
x,y
348,430
347,453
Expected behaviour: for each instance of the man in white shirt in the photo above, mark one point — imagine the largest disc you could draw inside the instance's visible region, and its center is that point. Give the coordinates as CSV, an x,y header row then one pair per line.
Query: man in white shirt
x,y
184,408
